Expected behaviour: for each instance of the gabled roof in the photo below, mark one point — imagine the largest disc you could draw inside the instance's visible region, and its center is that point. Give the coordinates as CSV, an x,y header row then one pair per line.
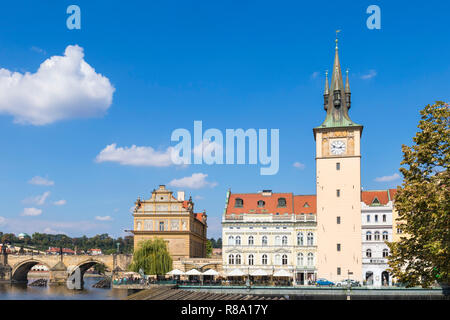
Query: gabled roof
x,y
297,204
383,196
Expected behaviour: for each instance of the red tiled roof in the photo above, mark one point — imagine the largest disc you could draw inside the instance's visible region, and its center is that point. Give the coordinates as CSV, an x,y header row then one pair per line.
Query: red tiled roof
x,y
294,204
382,195
199,216
65,250
251,203
392,193
305,204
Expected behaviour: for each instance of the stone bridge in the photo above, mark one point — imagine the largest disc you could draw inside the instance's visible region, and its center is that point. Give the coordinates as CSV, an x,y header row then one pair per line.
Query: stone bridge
x,y
15,268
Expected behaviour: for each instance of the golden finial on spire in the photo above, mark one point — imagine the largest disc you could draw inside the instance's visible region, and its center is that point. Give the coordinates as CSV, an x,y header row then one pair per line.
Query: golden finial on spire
x,y
337,31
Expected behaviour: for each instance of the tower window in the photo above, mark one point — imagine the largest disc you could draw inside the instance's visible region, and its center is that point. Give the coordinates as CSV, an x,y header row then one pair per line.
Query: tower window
x,y
338,166
338,247
338,193
338,271
338,220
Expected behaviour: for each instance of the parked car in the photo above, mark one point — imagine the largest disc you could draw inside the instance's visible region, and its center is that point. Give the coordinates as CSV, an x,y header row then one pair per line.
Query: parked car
x,y
324,282
345,283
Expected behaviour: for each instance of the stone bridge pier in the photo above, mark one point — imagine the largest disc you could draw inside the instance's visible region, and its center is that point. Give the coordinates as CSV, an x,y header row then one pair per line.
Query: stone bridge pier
x,y
15,268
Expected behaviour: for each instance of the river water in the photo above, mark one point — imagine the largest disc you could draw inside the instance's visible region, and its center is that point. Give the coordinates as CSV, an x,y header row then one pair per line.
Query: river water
x,y
25,292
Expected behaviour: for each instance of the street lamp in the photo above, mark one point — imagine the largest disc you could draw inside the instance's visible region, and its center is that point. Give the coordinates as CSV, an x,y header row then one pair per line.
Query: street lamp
x,y
118,245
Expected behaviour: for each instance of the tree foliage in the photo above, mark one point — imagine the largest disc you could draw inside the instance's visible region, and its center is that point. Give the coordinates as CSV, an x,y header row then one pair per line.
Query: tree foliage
x,y
42,241
152,256
208,248
422,255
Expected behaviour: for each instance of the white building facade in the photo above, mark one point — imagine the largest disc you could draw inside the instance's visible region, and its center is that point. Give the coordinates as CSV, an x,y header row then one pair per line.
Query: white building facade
x,y
376,226
265,233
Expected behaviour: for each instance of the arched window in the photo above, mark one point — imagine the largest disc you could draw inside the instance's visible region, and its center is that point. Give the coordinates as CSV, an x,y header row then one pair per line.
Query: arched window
x,y
261,203
264,240
284,241
377,236
368,236
299,239
384,218
310,239
310,259
369,253
238,259
385,235
231,241
231,259
282,202
250,240
238,203
238,240
385,253
300,259
277,259
264,259
284,260
250,260
277,240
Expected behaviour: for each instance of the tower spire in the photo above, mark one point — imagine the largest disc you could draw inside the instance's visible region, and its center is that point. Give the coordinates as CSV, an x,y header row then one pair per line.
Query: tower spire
x,y
326,93
337,96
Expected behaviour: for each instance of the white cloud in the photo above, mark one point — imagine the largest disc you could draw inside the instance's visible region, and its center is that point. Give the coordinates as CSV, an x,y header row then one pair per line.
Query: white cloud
x,y
41,181
206,148
38,50
196,181
299,165
369,75
36,224
31,212
136,156
104,218
38,200
314,75
64,87
395,176
2,221
60,202
199,198
51,231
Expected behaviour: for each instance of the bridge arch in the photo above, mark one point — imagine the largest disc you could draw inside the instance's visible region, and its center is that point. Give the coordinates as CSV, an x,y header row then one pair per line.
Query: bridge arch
x,y
86,265
20,271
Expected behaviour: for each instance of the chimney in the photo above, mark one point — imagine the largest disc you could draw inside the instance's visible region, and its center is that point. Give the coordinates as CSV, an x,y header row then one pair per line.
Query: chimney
x,y
180,196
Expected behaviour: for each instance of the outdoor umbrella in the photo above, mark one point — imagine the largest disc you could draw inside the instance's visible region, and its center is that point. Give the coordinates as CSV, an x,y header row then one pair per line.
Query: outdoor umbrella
x,y
282,273
175,272
193,272
236,273
210,272
258,273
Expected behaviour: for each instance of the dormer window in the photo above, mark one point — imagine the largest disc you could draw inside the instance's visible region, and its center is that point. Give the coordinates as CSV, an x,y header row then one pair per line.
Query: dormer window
x,y
261,203
282,202
375,202
238,203
306,205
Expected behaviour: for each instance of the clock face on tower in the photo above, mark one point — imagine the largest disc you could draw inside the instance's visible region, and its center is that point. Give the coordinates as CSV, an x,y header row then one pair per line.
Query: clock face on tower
x,y
337,147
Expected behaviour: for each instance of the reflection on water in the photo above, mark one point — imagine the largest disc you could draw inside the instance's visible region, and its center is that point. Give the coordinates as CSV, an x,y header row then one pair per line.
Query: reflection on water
x,y
24,292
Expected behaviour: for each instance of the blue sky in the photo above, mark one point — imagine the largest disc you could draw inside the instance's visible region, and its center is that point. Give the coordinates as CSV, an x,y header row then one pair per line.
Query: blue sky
x,y
231,64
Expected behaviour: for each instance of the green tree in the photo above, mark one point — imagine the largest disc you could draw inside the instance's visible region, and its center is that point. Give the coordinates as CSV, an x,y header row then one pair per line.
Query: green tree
x,y
152,256
422,255
209,248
